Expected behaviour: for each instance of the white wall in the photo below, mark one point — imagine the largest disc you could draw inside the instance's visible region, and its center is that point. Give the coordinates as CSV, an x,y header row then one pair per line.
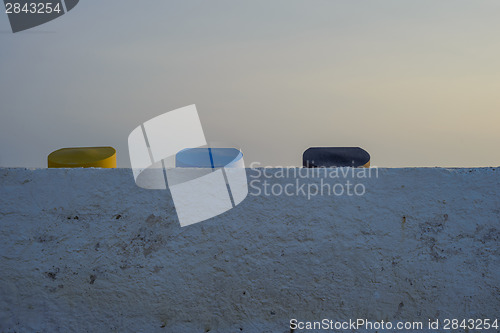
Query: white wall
x,y
86,250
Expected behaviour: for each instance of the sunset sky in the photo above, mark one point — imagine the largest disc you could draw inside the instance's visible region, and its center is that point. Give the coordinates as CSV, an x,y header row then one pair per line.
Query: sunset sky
x,y
415,83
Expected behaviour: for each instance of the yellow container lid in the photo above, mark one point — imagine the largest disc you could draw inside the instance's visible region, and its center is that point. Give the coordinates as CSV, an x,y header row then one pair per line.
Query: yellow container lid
x,y
83,157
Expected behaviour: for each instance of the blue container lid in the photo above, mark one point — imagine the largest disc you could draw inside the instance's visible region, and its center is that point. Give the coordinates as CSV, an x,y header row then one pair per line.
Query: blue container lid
x,y
207,157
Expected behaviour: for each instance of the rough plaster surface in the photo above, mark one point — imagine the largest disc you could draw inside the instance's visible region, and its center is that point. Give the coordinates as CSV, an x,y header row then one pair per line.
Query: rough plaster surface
x,y
88,251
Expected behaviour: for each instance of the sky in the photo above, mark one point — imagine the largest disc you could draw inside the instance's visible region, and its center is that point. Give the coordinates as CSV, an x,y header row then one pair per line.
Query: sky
x,y
415,83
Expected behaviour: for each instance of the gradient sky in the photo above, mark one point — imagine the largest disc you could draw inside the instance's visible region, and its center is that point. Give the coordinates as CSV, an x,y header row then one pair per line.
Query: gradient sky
x,y
415,83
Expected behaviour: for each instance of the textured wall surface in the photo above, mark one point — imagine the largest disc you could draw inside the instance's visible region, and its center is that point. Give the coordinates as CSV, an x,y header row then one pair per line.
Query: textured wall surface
x,y
87,250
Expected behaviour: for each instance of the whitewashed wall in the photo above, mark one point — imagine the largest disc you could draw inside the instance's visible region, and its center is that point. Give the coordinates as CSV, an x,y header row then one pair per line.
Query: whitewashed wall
x,y
87,251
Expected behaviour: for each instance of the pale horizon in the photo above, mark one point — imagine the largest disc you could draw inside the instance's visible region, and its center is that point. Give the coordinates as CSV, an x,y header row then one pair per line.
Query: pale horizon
x,y
413,83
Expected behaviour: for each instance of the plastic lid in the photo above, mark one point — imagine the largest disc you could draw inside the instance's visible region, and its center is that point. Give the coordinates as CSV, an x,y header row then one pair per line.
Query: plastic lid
x,y
83,157
207,157
329,157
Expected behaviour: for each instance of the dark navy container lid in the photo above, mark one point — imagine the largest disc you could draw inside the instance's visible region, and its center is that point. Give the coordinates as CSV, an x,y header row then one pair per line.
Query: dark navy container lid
x,y
327,157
